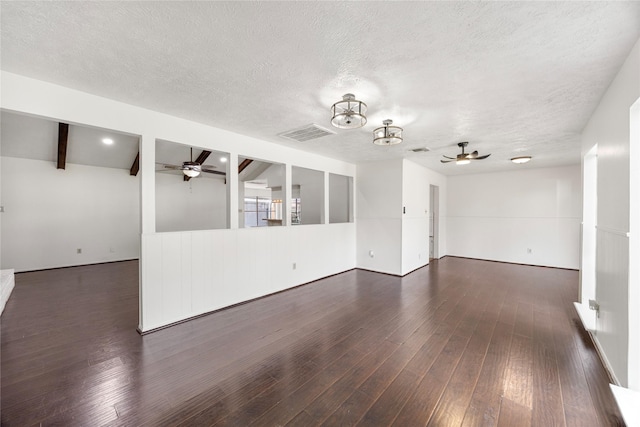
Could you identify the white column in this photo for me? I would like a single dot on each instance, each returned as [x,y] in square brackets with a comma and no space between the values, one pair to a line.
[232,188]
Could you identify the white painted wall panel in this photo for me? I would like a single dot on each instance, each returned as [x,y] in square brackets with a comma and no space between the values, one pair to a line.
[610,128]
[232,266]
[499,216]
[612,258]
[151,281]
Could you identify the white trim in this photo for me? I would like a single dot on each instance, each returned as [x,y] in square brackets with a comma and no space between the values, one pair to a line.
[611,230]
[587,316]
[629,403]
[603,358]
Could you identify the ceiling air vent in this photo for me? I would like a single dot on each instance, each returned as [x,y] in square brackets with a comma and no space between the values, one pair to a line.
[420,150]
[306,133]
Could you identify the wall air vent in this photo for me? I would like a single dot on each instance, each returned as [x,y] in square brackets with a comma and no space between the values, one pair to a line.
[420,150]
[306,133]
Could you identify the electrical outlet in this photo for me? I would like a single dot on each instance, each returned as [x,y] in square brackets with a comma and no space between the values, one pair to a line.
[79,250]
[528,250]
[371,253]
[294,266]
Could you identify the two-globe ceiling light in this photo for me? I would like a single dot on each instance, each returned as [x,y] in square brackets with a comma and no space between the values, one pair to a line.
[351,114]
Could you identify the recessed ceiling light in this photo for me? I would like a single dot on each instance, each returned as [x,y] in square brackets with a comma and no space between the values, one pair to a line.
[521,159]
[223,159]
[107,141]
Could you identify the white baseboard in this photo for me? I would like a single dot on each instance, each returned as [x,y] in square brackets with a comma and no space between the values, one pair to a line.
[587,316]
[629,403]
[7,282]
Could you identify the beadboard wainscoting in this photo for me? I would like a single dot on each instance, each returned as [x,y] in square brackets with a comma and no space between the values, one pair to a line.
[186,274]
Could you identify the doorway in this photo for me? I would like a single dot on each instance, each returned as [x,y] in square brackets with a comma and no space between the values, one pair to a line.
[434,203]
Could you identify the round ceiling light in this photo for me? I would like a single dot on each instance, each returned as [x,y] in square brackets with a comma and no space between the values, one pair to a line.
[348,113]
[521,159]
[107,141]
[387,134]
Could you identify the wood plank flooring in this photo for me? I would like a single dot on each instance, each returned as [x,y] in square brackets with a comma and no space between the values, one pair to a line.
[458,343]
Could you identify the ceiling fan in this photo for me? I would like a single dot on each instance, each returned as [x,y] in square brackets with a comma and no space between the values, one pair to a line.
[464,158]
[192,169]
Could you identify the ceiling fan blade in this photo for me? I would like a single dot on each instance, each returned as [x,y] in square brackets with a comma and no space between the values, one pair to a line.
[472,155]
[174,167]
[447,157]
[447,161]
[213,172]
[481,157]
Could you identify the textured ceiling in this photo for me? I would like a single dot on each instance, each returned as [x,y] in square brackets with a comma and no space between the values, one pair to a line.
[512,78]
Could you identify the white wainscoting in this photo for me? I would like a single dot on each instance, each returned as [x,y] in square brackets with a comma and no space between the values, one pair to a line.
[185,274]
[554,242]
[612,288]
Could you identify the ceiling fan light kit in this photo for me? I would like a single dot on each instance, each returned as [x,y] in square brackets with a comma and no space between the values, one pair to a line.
[348,113]
[464,158]
[521,159]
[387,134]
[191,169]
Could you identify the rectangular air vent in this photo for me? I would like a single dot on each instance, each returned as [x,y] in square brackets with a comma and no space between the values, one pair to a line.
[306,133]
[420,150]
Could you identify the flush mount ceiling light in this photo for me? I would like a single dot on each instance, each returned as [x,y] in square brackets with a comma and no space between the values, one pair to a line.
[107,141]
[348,113]
[521,159]
[387,134]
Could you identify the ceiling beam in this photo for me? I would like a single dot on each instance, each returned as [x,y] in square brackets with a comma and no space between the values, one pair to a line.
[200,160]
[203,156]
[243,165]
[135,167]
[63,136]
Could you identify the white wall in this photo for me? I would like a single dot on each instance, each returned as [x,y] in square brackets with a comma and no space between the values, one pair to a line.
[50,213]
[415,218]
[340,191]
[311,184]
[179,258]
[399,241]
[609,128]
[191,273]
[197,204]
[499,216]
[379,216]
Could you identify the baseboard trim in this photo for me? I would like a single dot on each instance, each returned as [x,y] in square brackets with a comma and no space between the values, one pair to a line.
[514,263]
[605,362]
[78,265]
[629,404]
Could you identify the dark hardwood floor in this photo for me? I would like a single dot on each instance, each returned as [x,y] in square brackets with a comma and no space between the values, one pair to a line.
[458,343]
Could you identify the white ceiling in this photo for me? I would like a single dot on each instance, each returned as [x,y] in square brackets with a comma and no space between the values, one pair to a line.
[512,78]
